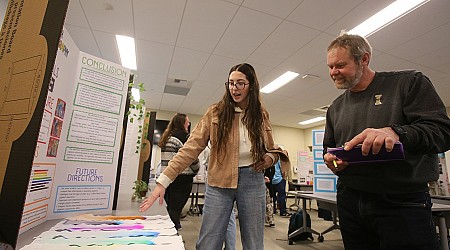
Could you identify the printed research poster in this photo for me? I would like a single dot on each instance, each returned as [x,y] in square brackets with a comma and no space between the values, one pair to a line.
[76,158]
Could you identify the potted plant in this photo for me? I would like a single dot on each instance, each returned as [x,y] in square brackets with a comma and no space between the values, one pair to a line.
[140,190]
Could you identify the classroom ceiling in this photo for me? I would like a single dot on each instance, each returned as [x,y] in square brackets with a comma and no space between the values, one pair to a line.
[193,43]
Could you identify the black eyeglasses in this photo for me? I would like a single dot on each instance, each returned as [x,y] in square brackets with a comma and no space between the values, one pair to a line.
[238,85]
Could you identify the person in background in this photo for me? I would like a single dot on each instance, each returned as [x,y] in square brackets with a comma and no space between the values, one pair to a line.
[383,205]
[242,146]
[177,193]
[279,185]
[270,222]
[204,161]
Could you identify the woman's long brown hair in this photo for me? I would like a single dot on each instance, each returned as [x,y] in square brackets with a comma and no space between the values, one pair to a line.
[177,122]
[252,119]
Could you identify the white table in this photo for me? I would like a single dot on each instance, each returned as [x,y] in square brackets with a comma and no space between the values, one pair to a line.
[125,207]
[439,211]
[329,202]
[299,187]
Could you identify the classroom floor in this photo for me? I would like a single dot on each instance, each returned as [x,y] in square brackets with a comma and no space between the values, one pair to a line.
[274,238]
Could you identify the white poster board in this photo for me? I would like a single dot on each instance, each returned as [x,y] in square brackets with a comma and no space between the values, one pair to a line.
[305,165]
[76,157]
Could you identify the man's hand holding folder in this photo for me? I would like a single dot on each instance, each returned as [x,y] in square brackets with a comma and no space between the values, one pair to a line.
[355,155]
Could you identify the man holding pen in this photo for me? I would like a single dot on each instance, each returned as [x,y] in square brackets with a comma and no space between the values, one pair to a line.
[383,205]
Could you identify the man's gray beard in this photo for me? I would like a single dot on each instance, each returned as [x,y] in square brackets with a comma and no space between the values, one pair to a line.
[353,82]
[347,84]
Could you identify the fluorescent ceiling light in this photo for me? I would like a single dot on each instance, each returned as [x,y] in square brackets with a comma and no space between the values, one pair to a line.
[127,51]
[313,120]
[386,16]
[279,82]
[136,94]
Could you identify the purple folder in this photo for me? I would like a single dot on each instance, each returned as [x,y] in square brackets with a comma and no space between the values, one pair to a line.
[355,156]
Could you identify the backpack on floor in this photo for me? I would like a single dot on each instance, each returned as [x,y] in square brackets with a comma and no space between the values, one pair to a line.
[296,222]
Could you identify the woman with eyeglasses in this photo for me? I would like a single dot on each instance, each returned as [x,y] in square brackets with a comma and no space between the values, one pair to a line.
[177,193]
[242,146]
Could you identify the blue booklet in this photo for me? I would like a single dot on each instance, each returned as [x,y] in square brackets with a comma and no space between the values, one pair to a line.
[355,156]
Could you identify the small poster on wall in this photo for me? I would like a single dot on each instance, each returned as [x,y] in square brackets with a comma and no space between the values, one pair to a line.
[305,167]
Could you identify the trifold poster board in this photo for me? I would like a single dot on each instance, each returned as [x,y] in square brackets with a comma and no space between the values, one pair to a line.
[75,164]
[324,179]
[29,39]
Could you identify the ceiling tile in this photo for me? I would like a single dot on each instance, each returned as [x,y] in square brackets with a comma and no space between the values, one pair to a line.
[153,57]
[320,14]
[217,68]
[411,26]
[246,32]
[112,16]
[84,39]
[436,58]
[108,48]
[204,23]
[171,102]
[75,15]
[309,55]
[278,8]
[282,43]
[355,13]
[186,64]
[416,45]
[158,21]
[153,82]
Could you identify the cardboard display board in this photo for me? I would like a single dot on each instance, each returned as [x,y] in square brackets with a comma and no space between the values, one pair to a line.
[28,44]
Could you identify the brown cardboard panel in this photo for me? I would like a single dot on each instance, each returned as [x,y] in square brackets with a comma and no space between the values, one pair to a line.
[28,44]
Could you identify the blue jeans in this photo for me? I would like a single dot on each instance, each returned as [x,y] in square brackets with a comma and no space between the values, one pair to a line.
[230,236]
[385,221]
[280,196]
[250,201]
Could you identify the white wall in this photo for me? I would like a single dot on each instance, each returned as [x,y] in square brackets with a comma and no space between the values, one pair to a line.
[3,5]
[130,162]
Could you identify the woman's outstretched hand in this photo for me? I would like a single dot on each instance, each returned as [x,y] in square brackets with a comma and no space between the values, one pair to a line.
[157,193]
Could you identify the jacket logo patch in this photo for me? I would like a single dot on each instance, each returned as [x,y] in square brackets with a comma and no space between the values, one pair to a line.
[378,100]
